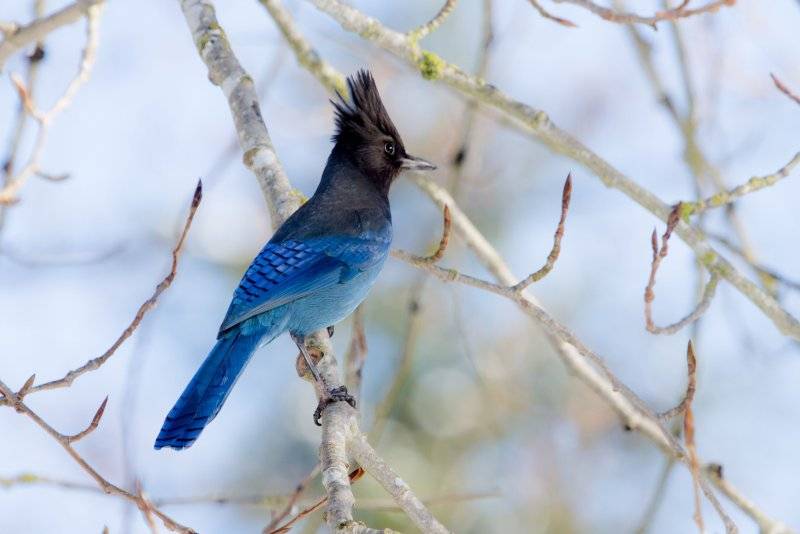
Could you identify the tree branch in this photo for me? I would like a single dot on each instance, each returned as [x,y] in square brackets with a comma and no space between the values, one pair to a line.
[433,24]
[549,16]
[305,53]
[13,183]
[21,36]
[622,17]
[148,305]
[225,72]
[649,295]
[725,198]
[783,88]
[765,524]
[537,124]
[66,441]
[556,250]
[394,485]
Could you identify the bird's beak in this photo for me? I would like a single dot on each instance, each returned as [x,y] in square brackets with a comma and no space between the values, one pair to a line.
[413,163]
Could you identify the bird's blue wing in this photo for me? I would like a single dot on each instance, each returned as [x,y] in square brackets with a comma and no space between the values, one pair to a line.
[286,271]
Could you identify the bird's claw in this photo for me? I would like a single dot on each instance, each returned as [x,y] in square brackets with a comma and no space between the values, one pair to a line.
[335,395]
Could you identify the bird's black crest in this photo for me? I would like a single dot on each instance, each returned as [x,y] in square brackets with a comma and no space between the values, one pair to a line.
[364,117]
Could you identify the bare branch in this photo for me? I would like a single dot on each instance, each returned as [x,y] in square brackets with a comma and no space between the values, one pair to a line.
[688,435]
[763,271]
[66,444]
[17,37]
[783,88]
[413,325]
[146,306]
[691,386]
[305,53]
[546,14]
[291,502]
[687,125]
[225,71]
[537,124]
[273,527]
[766,524]
[44,118]
[356,354]
[147,509]
[725,198]
[688,431]
[92,425]
[556,250]
[433,24]
[366,456]
[649,295]
[657,498]
[680,12]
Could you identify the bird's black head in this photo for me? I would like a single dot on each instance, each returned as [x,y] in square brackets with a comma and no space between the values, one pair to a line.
[367,136]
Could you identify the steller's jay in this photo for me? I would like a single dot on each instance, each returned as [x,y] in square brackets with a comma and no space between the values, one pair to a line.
[318,266]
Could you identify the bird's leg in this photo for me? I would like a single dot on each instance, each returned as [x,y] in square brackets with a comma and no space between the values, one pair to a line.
[301,344]
[327,397]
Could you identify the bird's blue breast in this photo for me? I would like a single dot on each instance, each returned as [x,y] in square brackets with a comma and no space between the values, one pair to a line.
[330,305]
[303,285]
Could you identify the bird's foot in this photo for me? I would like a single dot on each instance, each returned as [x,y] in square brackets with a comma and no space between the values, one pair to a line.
[335,395]
[330,330]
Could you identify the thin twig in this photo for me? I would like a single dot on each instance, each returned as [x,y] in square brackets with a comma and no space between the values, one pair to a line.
[725,198]
[695,158]
[658,496]
[20,121]
[556,250]
[356,354]
[783,88]
[305,53]
[766,524]
[13,183]
[292,501]
[27,479]
[146,306]
[462,152]
[685,407]
[649,293]
[691,386]
[147,509]
[413,326]
[688,432]
[272,528]
[762,270]
[21,36]
[66,443]
[546,14]
[376,466]
[680,12]
[433,24]
[92,425]
[444,241]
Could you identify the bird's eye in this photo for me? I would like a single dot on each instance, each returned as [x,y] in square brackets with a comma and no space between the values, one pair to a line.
[389,148]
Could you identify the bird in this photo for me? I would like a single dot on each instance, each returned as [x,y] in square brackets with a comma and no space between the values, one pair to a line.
[318,266]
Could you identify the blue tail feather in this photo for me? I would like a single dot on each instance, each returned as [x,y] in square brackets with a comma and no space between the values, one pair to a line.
[206,393]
